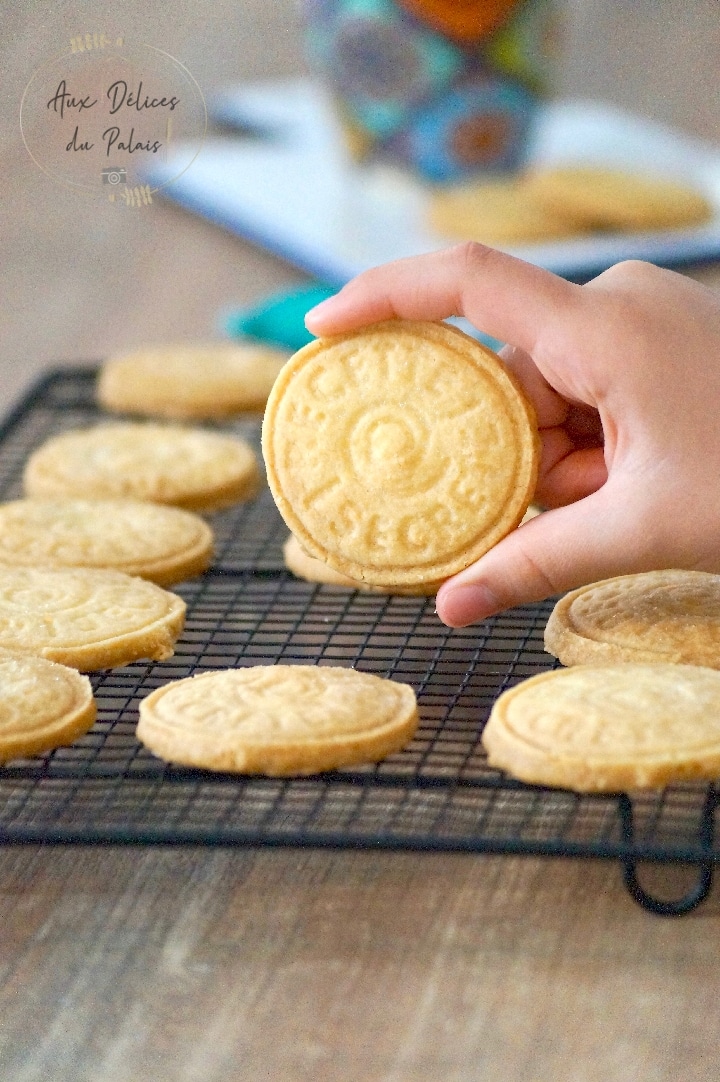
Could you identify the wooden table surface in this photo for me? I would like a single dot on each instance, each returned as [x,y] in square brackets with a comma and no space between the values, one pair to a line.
[200,965]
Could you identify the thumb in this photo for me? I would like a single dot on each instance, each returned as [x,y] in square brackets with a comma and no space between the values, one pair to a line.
[592,539]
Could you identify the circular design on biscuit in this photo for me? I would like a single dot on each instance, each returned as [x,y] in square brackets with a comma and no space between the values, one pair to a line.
[43,607]
[606,712]
[391,449]
[399,449]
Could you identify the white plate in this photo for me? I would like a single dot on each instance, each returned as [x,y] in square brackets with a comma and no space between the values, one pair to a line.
[285,181]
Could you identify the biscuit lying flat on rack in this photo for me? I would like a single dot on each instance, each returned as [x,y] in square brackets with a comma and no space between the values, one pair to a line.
[42,706]
[596,197]
[278,719]
[87,618]
[671,616]
[306,567]
[162,463]
[183,382]
[609,728]
[400,453]
[156,542]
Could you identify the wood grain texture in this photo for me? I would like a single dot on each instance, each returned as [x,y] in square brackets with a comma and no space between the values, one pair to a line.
[292,965]
[202,965]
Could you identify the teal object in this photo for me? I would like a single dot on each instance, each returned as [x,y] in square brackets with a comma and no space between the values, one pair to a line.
[280,319]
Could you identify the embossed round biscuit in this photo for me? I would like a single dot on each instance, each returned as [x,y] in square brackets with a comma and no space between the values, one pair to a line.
[87,618]
[606,198]
[42,706]
[671,616]
[400,453]
[278,719]
[498,212]
[206,380]
[609,727]
[163,544]
[162,463]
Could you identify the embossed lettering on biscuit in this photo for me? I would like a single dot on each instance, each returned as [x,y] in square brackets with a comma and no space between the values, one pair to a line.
[399,454]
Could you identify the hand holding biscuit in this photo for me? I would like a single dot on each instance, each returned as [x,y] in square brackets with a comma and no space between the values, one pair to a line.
[624,374]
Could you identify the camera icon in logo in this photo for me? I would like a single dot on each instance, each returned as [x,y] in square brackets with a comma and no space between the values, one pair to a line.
[114,176]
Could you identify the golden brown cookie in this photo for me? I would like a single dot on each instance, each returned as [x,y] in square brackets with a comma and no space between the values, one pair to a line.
[87,618]
[598,197]
[497,212]
[671,616]
[400,453]
[42,706]
[609,728]
[162,463]
[278,719]
[163,544]
[185,382]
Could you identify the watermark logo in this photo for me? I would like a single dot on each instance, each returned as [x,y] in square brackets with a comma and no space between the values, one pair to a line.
[113,118]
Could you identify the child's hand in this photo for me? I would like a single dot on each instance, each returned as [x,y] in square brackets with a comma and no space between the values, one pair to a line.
[624,373]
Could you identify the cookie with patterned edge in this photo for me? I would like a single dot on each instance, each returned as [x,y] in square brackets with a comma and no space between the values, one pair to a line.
[156,542]
[609,728]
[671,615]
[190,381]
[163,463]
[400,453]
[42,706]
[278,719]
[87,618]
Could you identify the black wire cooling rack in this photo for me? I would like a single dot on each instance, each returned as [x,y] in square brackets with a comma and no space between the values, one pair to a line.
[437,794]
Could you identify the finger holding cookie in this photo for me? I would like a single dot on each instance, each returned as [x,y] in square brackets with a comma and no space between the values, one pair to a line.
[624,378]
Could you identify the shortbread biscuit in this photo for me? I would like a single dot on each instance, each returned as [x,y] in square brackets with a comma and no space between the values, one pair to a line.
[311,570]
[598,197]
[163,463]
[671,616]
[186,382]
[500,212]
[42,706]
[87,618]
[609,728]
[278,719]
[400,453]
[163,544]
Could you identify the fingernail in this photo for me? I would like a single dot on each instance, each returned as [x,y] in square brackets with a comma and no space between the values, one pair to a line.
[318,310]
[459,606]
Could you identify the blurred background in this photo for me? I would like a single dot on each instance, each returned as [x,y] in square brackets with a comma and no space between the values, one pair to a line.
[81,279]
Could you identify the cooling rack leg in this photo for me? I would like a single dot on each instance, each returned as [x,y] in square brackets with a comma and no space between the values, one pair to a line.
[679,906]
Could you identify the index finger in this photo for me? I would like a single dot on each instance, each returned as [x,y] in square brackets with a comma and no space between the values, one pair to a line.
[499,294]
